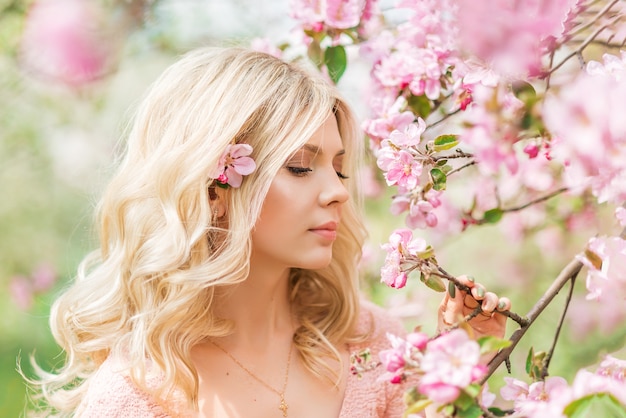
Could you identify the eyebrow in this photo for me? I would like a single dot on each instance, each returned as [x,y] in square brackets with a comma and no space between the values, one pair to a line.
[317,150]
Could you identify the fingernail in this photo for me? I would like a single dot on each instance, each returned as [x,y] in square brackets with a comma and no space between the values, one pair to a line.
[480,291]
[501,304]
[471,279]
[451,289]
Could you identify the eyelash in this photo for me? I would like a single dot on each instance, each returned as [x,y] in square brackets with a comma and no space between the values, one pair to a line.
[303,171]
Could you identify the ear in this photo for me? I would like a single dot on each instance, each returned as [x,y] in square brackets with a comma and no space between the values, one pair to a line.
[217,200]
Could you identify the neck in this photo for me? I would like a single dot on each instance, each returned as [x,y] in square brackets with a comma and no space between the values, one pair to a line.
[259,307]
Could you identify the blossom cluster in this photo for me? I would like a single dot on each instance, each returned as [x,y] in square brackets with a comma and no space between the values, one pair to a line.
[443,367]
[404,253]
[550,397]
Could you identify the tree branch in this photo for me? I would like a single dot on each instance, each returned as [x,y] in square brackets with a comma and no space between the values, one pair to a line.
[568,273]
[546,362]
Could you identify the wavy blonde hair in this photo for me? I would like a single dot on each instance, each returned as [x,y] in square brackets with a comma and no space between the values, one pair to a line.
[147,292]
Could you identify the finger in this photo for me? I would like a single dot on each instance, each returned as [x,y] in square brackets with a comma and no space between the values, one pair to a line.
[466,280]
[504,304]
[490,302]
[451,308]
[478,291]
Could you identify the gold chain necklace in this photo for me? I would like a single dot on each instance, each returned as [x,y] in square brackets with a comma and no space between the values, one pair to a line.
[283,405]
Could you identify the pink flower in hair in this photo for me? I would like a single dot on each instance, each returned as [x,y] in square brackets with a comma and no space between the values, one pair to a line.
[233,165]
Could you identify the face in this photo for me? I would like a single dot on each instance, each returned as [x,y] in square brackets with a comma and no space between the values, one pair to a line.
[302,211]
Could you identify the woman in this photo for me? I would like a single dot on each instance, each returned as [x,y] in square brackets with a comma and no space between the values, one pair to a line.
[226,281]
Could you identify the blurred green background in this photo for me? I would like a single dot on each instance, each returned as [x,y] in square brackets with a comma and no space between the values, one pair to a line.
[57,146]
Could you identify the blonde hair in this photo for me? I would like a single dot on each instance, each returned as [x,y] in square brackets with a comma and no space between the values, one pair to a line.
[147,292]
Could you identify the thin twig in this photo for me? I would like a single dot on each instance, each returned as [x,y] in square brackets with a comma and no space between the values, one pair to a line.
[585,43]
[570,271]
[538,200]
[471,163]
[548,358]
[440,272]
[597,17]
[564,276]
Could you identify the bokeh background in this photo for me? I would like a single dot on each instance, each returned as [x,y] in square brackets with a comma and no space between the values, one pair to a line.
[60,128]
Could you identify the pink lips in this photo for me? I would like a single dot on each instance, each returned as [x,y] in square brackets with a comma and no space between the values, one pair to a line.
[327,230]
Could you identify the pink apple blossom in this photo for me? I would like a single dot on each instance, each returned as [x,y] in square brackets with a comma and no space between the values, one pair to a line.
[589,135]
[401,245]
[450,364]
[606,282]
[233,164]
[339,14]
[401,360]
[620,214]
[511,35]
[67,41]
[400,166]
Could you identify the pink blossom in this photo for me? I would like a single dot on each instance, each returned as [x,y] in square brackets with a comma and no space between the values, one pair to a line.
[612,66]
[393,360]
[410,136]
[418,340]
[588,383]
[450,363]
[589,135]
[44,277]
[401,244]
[613,367]
[493,128]
[402,169]
[620,214]
[400,360]
[21,291]
[233,164]
[66,41]
[390,116]
[606,282]
[540,399]
[514,390]
[340,14]
[392,275]
[511,35]
[441,393]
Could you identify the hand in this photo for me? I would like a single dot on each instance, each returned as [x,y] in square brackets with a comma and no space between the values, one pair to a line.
[488,322]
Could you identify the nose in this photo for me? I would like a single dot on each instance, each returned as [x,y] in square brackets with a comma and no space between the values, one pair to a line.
[333,191]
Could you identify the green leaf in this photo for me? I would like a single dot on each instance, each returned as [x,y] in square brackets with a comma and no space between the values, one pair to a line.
[441,162]
[420,105]
[445,142]
[438,178]
[314,51]
[336,61]
[492,216]
[435,283]
[529,359]
[490,344]
[446,168]
[597,405]
[416,407]
[473,390]
[498,412]
[473,411]
[464,401]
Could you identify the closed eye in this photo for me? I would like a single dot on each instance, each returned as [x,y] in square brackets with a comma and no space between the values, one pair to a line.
[299,171]
[341,175]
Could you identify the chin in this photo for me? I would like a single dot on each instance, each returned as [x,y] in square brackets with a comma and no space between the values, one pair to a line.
[317,262]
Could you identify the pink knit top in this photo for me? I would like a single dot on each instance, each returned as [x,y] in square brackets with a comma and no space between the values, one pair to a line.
[111,392]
